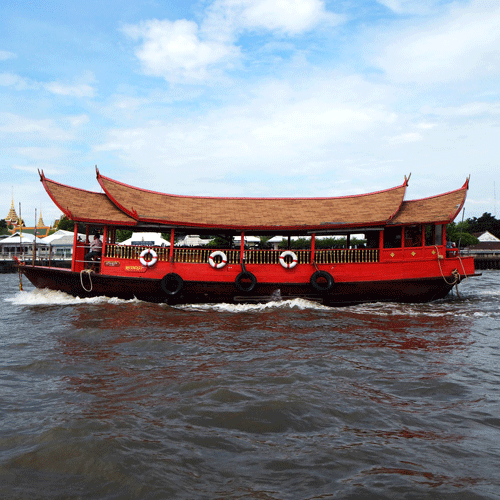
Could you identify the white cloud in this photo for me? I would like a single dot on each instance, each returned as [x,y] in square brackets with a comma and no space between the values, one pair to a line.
[82,87]
[15,81]
[79,90]
[467,110]
[175,50]
[279,129]
[409,6]
[182,51]
[463,43]
[4,55]
[78,120]
[41,153]
[288,17]
[45,128]
[405,138]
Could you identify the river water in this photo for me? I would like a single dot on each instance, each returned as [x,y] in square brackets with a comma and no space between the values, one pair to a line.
[112,399]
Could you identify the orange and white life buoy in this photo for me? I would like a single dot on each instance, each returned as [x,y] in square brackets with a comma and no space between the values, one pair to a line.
[223,259]
[292,262]
[151,261]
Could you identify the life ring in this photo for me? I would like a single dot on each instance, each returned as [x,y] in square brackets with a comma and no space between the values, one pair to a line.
[245,281]
[321,281]
[152,261]
[172,284]
[220,254]
[284,263]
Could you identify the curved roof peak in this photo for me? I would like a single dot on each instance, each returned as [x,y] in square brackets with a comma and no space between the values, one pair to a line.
[243,213]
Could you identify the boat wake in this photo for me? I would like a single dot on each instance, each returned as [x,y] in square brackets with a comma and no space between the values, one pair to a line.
[45,297]
[300,304]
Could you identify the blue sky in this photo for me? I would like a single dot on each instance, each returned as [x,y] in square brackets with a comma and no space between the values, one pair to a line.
[250,97]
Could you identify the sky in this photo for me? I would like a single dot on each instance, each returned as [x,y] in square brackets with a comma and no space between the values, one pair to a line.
[286,98]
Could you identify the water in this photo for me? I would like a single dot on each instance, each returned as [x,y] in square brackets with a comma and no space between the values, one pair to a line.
[111,399]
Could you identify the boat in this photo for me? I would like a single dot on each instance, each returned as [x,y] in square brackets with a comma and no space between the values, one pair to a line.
[383,248]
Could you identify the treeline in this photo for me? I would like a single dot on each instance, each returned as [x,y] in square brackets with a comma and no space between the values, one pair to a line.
[463,232]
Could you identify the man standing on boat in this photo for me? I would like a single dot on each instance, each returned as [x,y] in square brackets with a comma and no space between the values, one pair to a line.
[95,249]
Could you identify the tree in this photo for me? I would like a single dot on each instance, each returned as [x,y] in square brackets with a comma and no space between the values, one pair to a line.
[123,234]
[3,227]
[221,241]
[459,233]
[486,222]
[68,225]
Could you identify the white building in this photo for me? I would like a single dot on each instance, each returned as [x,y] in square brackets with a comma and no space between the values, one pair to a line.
[146,239]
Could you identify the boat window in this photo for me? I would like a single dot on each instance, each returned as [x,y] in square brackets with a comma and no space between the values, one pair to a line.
[438,240]
[413,236]
[392,237]
[372,239]
[429,235]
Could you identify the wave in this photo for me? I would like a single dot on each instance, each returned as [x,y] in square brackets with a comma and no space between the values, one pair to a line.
[45,297]
[301,304]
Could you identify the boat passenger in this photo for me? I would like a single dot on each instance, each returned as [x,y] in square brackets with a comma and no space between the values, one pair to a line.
[95,249]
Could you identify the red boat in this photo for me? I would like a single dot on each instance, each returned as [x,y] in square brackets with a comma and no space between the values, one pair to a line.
[403,258]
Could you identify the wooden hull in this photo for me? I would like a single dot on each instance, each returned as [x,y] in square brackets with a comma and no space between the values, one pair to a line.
[83,284]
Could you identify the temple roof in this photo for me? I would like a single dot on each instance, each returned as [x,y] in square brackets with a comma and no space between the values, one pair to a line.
[442,208]
[121,204]
[249,214]
[85,206]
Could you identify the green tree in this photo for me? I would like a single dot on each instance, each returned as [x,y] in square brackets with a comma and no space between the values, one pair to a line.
[460,234]
[221,241]
[486,222]
[68,225]
[3,227]
[122,235]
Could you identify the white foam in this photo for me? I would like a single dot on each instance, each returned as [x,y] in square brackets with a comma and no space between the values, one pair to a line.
[45,297]
[238,308]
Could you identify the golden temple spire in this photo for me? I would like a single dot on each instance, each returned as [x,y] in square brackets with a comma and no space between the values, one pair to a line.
[40,222]
[12,217]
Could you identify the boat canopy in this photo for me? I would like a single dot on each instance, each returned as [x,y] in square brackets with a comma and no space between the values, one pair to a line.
[440,209]
[124,205]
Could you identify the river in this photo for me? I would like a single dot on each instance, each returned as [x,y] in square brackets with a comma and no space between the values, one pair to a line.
[110,399]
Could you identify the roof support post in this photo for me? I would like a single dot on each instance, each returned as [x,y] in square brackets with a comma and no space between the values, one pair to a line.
[381,239]
[313,247]
[242,247]
[171,253]
[75,239]
[105,237]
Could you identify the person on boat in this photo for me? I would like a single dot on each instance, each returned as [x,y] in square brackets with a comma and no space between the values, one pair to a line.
[95,250]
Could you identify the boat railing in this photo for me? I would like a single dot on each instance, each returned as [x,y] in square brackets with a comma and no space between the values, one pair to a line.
[202,255]
[346,255]
[133,252]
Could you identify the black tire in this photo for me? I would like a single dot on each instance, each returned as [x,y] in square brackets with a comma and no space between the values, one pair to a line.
[321,281]
[245,281]
[172,284]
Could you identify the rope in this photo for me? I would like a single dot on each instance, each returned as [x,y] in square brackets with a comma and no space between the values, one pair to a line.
[455,273]
[463,268]
[86,271]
